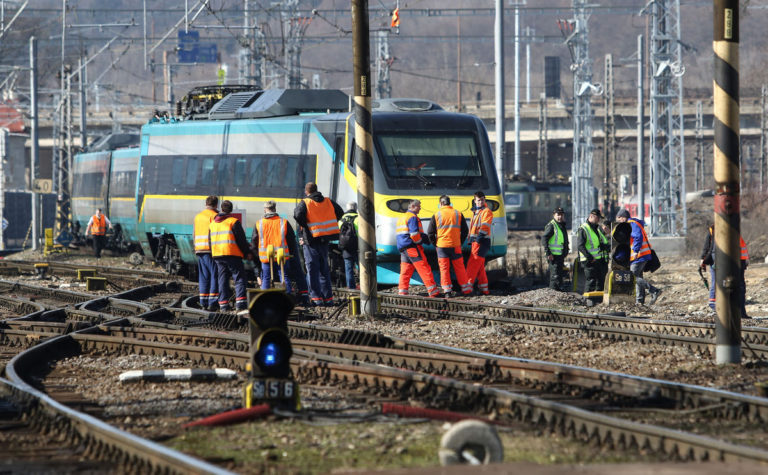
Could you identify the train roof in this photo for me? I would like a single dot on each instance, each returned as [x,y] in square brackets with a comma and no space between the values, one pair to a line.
[114,142]
[278,102]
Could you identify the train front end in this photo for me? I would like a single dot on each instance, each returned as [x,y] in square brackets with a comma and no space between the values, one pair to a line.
[423,154]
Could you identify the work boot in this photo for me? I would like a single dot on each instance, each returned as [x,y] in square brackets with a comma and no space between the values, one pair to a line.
[654,296]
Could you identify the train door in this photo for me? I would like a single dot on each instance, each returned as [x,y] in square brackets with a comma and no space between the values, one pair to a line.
[338,160]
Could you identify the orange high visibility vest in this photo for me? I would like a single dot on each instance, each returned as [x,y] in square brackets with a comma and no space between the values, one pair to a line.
[321,218]
[99,225]
[202,225]
[481,223]
[223,238]
[272,231]
[448,227]
[645,247]
[742,245]
[402,226]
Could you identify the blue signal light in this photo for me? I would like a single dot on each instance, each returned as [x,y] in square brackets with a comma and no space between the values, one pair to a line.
[270,355]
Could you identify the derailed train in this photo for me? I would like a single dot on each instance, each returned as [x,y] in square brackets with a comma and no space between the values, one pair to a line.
[253,146]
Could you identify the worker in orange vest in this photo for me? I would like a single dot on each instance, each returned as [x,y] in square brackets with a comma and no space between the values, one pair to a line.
[278,232]
[448,229]
[318,219]
[229,247]
[639,257]
[708,258]
[480,240]
[410,243]
[207,273]
[97,227]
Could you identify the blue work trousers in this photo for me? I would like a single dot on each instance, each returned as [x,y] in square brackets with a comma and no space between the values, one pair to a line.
[349,270]
[318,273]
[207,280]
[232,266]
[293,274]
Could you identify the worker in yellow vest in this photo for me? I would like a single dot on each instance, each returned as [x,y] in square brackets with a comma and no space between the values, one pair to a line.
[448,229]
[593,247]
[229,247]
[207,274]
[555,243]
[97,228]
[318,219]
[272,230]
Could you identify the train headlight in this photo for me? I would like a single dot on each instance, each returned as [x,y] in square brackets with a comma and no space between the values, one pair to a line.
[398,206]
[493,205]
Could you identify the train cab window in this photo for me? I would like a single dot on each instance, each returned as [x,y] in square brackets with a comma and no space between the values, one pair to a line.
[241,165]
[177,172]
[207,175]
[191,171]
[513,199]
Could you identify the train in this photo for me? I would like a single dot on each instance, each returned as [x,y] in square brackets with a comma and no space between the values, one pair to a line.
[529,204]
[249,146]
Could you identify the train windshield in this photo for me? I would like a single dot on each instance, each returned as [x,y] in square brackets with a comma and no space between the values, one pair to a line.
[431,160]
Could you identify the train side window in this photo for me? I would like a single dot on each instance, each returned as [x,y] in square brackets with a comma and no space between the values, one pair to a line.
[222,174]
[191,171]
[310,165]
[207,175]
[256,174]
[241,165]
[177,173]
[273,173]
[352,156]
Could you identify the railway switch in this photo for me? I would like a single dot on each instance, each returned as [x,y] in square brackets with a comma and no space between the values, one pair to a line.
[270,378]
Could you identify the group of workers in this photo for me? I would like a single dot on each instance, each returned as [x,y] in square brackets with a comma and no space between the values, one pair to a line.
[447,230]
[221,246]
[594,248]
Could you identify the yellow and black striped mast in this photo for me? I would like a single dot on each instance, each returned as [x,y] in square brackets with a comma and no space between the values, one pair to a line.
[364,152]
[727,186]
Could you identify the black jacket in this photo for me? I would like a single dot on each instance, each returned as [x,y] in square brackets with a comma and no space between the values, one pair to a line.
[708,251]
[300,215]
[549,231]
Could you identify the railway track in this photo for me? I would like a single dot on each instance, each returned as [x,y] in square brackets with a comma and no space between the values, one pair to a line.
[699,337]
[401,369]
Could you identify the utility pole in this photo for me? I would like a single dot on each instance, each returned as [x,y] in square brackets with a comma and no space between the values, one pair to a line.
[699,145]
[667,146]
[383,61]
[763,134]
[361,58]
[34,154]
[728,270]
[458,64]
[83,132]
[518,170]
[543,171]
[581,175]
[498,53]
[609,144]
[640,127]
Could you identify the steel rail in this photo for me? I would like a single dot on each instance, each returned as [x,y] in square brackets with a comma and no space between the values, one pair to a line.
[754,339]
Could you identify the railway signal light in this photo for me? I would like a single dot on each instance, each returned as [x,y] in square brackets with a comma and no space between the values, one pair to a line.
[269,369]
[620,283]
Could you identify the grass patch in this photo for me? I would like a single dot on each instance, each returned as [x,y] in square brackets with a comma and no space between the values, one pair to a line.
[289,446]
